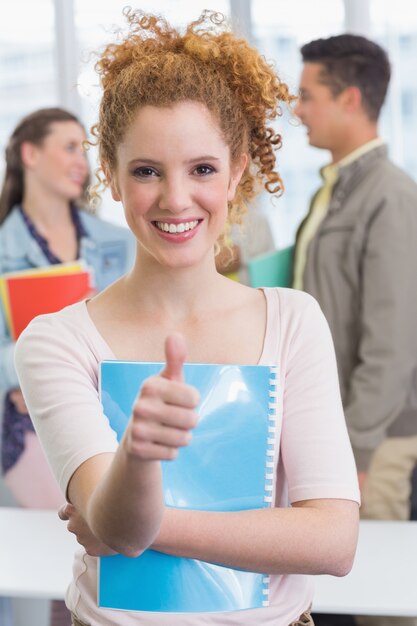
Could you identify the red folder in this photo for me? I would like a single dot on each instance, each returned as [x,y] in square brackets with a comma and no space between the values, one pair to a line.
[30,296]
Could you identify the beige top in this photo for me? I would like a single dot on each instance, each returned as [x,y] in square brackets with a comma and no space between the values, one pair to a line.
[57,361]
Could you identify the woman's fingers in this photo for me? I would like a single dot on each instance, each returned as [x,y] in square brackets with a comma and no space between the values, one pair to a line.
[156,423]
[84,536]
[164,411]
[160,434]
[170,392]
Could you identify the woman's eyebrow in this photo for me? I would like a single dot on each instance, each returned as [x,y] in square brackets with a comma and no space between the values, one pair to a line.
[144,160]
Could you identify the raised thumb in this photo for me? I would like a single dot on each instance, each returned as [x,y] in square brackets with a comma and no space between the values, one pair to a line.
[175,354]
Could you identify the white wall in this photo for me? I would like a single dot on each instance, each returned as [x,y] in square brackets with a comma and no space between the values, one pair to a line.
[25,612]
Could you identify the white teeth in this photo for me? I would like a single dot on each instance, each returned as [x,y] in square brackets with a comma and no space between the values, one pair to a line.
[176,228]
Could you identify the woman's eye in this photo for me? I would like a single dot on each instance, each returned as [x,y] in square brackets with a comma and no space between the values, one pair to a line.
[144,172]
[203,170]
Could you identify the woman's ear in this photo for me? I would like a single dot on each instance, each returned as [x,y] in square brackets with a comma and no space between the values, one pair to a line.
[111,181]
[28,152]
[237,170]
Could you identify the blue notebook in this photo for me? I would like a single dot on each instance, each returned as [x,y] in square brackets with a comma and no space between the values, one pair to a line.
[227,467]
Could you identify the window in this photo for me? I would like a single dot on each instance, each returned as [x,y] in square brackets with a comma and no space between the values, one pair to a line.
[396,31]
[280,27]
[27,71]
[29,40]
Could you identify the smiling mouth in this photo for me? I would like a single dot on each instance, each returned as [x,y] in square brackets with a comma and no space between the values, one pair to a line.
[182,227]
[77,178]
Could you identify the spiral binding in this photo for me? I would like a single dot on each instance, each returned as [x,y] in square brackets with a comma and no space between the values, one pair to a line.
[270,460]
[270,443]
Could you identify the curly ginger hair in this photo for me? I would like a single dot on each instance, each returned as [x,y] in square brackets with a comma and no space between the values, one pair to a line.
[156,65]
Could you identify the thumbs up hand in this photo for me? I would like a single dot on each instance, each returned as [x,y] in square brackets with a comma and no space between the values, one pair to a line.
[175,353]
[164,411]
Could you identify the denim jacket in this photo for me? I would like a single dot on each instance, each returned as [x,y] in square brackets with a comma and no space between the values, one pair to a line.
[108,250]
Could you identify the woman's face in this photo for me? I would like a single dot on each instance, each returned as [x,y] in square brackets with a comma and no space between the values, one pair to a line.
[174,178]
[58,165]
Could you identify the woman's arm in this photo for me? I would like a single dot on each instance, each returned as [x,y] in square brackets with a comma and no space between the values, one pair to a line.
[116,489]
[120,495]
[312,537]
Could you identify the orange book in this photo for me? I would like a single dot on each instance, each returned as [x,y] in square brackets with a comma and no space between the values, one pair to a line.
[59,268]
[32,295]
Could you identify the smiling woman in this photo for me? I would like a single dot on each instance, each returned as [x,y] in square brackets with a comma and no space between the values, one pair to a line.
[173,191]
[185,142]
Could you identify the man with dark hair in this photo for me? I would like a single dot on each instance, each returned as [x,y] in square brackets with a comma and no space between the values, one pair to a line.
[356,252]
[351,60]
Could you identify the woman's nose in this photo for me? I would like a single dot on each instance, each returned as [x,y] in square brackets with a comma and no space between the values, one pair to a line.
[175,195]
